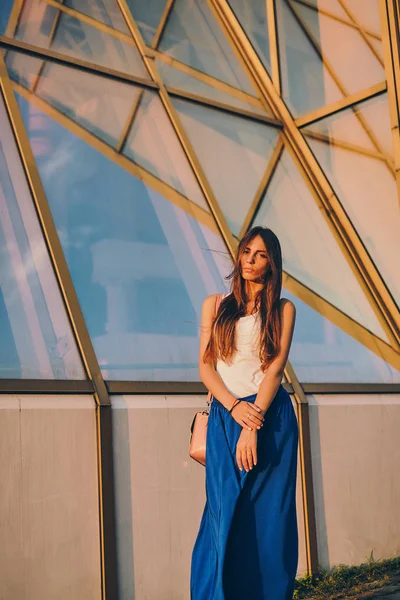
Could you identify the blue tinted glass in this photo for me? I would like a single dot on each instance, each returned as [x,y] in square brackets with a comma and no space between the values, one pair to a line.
[141,265]
[311,253]
[252,16]
[324,353]
[106,11]
[147,16]
[44,26]
[5,11]
[350,146]
[306,83]
[193,36]
[36,341]
[234,153]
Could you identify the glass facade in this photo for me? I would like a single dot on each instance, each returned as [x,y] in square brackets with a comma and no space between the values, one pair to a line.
[139,140]
[157,145]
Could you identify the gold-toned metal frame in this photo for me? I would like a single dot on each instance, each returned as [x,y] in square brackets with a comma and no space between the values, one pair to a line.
[267,96]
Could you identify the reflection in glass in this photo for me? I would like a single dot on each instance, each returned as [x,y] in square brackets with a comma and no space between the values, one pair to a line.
[147,16]
[363,178]
[5,12]
[106,11]
[43,25]
[353,61]
[321,352]
[252,16]
[141,265]
[309,81]
[179,80]
[306,83]
[366,14]
[99,104]
[234,153]
[311,254]
[36,341]
[194,37]
[105,107]
[152,143]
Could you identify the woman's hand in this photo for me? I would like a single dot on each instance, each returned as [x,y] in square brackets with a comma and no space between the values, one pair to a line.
[248,415]
[246,449]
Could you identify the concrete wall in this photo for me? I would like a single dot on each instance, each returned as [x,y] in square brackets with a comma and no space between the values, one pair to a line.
[356,466]
[160,496]
[49,525]
[49,520]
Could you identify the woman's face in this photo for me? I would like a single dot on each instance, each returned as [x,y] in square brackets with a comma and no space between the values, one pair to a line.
[254,260]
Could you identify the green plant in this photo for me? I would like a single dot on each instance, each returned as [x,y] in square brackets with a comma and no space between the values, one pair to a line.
[343,581]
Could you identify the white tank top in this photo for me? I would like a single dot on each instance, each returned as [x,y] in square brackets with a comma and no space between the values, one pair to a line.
[242,376]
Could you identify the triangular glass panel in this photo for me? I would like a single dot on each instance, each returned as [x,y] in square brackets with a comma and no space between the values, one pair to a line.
[306,83]
[321,352]
[105,11]
[366,14]
[347,129]
[99,104]
[234,153]
[375,112]
[147,16]
[23,68]
[194,37]
[180,80]
[253,18]
[36,340]
[141,265]
[107,108]
[353,61]
[311,253]
[5,12]
[365,185]
[47,27]
[331,6]
[153,144]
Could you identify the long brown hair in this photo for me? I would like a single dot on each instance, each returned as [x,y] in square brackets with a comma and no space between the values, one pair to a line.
[222,343]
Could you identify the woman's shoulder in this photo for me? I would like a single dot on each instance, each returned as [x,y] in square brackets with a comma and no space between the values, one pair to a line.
[287,306]
[212,298]
[210,302]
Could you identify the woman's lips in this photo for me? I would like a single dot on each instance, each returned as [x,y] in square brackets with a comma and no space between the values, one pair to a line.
[247,269]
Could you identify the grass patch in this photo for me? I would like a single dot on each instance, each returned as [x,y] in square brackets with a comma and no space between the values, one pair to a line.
[344,581]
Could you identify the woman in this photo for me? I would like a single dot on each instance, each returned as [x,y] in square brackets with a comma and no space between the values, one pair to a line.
[247,544]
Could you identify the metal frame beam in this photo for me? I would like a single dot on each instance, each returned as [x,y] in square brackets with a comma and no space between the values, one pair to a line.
[332,15]
[343,104]
[390,23]
[78,325]
[163,23]
[123,161]
[314,43]
[206,79]
[348,240]
[76,63]
[68,387]
[347,237]
[46,386]
[273,43]
[179,130]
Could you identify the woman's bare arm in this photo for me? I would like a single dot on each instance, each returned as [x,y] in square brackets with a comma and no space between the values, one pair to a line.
[273,376]
[208,374]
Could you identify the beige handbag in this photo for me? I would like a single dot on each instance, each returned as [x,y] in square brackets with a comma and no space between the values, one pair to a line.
[198,428]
